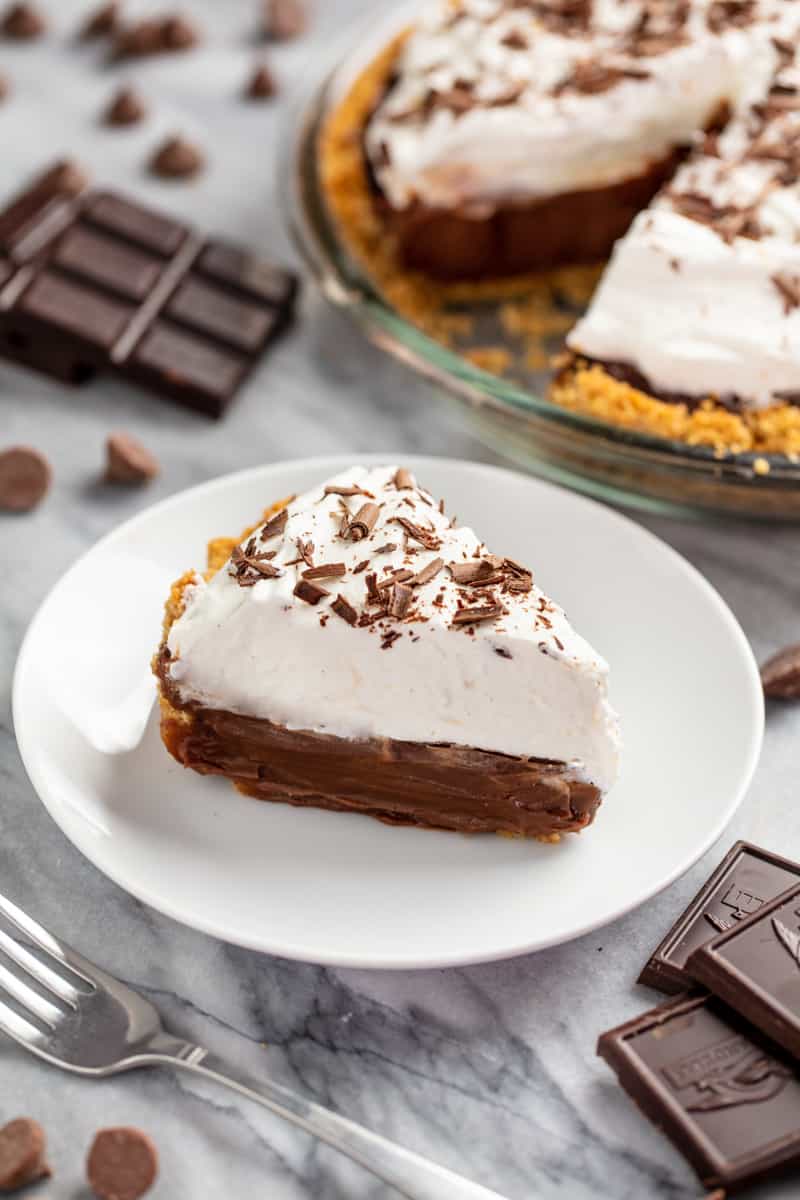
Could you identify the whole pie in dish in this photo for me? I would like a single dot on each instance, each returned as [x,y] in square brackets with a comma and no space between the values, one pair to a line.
[359,651]
[505,136]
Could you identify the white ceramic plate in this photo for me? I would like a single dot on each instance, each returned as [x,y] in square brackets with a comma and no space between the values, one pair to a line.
[346,890]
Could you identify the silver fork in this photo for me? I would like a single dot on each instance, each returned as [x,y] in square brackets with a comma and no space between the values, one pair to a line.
[82,1019]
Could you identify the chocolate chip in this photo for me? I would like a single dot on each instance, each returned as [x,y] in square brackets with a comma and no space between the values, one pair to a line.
[23,22]
[101,22]
[179,34]
[284,19]
[780,675]
[128,460]
[122,1164]
[261,85]
[126,108]
[25,476]
[22,1154]
[155,35]
[177,159]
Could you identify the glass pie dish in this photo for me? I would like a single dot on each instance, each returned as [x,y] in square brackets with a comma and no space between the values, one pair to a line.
[510,412]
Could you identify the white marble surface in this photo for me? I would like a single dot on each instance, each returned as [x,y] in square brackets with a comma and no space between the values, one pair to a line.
[491,1069]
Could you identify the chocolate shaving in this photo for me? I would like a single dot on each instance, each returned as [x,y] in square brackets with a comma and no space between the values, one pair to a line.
[515,40]
[325,571]
[248,568]
[344,609]
[472,616]
[362,566]
[341,489]
[390,638]
[310,592]
[400,600]
[275,525]
[403,479]
[471,572]
[371,584]
[502,652]
[789,288]
[426,537]
[387,549]
[362,524]
[427,573]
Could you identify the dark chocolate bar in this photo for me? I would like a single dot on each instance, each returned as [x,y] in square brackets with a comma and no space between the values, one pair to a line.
[755,967]
[93,281]
[747,877]
[726,1097]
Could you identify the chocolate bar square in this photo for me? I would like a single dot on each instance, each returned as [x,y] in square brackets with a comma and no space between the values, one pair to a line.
[755,967]
[747,878]
[726,1097]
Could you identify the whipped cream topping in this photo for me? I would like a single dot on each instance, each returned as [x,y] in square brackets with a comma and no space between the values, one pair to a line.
[702,295]
[461,648]
[499,101]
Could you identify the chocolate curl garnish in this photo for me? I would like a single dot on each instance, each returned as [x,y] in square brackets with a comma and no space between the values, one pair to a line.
[403,479]
[363,523]
[325,571]
[247,567]
[344,609]
[275,525]
[426,537]
[400,600]
[310,592]
[473,616]
[428,573]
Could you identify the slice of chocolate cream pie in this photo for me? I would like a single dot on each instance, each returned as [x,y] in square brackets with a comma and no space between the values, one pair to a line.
[359,651]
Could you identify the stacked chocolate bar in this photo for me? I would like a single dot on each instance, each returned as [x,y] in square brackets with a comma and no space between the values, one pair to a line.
[718,1068]
[93,281]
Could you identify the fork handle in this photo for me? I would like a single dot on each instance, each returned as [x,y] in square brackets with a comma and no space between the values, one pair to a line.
[413,1176]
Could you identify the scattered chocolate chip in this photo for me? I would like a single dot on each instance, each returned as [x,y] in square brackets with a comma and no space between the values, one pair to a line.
[102,22]
[261,86]
[310,592]
[23,22]
[22,1154]
[403,479]
[325,571]
[122,1164]
[177,159]
[275,525]
[179,34]
[780,675]
[155,35]
[25,476]
[363,523]
[344,609]
[128,460]
[284,19]
[126,108]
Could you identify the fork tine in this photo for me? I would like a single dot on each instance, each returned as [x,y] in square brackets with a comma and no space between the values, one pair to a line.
[18,1028]
[29,998]
[58,950]
[38,970]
